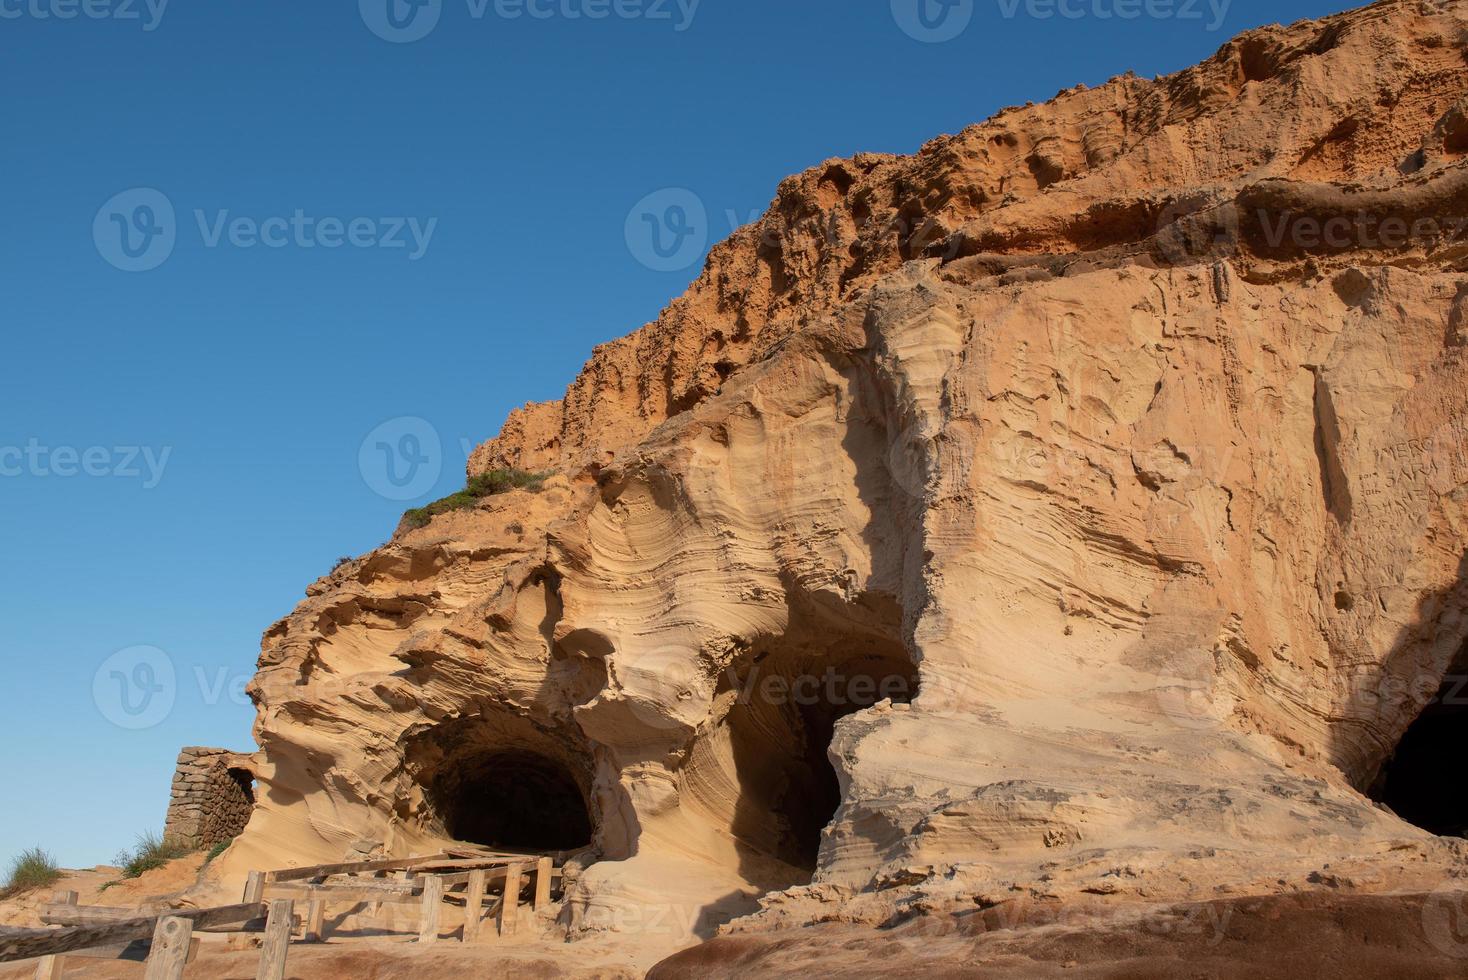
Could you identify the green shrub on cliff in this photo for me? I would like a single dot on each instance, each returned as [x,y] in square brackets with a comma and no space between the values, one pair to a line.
[489,484]
[151,852]
[33,868]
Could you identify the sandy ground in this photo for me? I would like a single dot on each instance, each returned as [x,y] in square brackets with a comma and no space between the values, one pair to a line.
[345,956]
[1279,937]
[1353,937]
[104,885]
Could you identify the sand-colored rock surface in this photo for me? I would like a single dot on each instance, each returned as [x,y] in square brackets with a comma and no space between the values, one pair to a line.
[105,885]
[1073,511]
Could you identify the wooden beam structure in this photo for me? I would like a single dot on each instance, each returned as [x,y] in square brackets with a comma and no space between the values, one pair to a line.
[474,906]
[341,893]
[166,940]
[277,940]
[510,905]
[544,868]
[360,867]
[53,942]
[432,908]
[172,940]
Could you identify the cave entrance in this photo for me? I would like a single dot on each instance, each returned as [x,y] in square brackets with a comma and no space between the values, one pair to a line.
[502,782]
[786,705]
[244,781]
[516,799]
[1419,781]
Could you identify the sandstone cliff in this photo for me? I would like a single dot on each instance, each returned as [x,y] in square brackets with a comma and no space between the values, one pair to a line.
[1073,510]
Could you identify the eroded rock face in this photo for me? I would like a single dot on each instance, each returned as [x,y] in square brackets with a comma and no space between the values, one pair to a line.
[1076,508]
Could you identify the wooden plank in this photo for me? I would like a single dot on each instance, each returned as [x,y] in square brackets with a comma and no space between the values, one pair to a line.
[316,921]
[52,967]
[360,867]
[473,906]
[510,906]
[277,941]
[432,906]
[97,915]
[88,915]
[255,887]
[543,869]
[462,864]
[493,876]
[341,893]
[170,950]
[51,942]
[467,851]
[134,952]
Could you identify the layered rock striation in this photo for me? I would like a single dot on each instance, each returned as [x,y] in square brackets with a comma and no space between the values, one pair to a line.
[1072,510]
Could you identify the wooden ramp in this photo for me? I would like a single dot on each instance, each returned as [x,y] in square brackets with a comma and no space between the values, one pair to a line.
[498,888]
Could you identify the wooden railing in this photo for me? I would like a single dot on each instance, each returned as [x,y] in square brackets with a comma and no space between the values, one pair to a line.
[486,884]
[97,932]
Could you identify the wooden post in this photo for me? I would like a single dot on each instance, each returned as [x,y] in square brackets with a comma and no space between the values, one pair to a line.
[52,967]
[315,921]
[170,949]
[510,907]
[432,903]
[277,940]
[474,906]
[543,869]
[254,888]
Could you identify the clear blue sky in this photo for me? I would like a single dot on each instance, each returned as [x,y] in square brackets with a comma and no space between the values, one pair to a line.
[260,370]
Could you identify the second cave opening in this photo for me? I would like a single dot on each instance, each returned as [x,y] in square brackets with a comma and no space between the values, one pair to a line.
[770,761]
[1419,781]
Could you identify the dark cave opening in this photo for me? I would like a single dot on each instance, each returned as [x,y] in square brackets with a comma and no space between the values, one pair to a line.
[245,781]
[1419,781]
[513,799]
[781,728]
